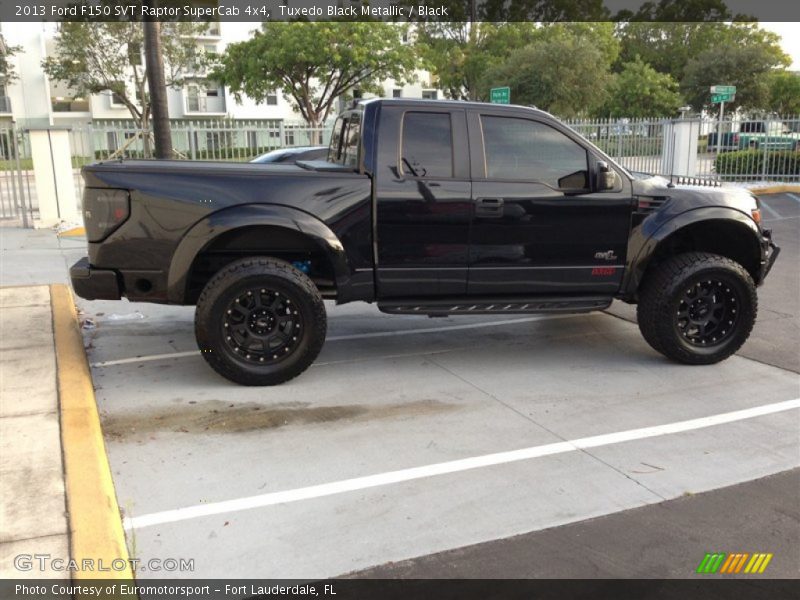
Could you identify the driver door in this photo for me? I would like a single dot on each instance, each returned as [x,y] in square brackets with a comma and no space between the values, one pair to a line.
[539,227]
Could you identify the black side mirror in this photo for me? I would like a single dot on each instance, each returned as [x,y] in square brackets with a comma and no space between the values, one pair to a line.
[607,178]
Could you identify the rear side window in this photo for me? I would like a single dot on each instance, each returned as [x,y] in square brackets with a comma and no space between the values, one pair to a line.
[351,142]
[335,147]
[524,150]
[427,149]
[346,140]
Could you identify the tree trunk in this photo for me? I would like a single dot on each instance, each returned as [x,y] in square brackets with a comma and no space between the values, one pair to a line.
[158,89]
[316,136]
[145,129]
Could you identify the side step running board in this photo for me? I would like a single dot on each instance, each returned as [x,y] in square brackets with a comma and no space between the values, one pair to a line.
[481,306]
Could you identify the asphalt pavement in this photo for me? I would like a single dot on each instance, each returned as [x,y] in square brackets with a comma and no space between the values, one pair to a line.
[459,439]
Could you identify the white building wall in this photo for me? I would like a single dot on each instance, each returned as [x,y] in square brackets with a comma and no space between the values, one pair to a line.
[31,93]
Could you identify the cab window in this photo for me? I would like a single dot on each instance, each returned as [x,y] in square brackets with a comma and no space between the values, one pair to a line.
[346,140]
[525,150]
[427,145]
[335,147]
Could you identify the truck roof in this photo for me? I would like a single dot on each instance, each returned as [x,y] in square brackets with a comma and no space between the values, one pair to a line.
[451,103]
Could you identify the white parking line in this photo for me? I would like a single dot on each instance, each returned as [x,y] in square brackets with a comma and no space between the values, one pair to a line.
[455,466]
[338,338]
[771,211]
[793,197]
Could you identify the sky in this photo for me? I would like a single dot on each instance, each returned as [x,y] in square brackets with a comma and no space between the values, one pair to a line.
[790,32]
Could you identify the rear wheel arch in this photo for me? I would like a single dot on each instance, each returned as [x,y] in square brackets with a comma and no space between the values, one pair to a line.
[255,230]
[289,245]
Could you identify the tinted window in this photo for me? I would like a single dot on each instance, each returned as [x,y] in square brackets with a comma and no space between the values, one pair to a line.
[527,150]
[334,151]
[427,145]
[352,140]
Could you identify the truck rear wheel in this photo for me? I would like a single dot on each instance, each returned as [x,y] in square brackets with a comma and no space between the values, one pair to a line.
[260,321]
[697,308]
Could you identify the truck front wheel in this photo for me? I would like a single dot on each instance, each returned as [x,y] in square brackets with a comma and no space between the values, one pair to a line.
[260,321]
[697,308]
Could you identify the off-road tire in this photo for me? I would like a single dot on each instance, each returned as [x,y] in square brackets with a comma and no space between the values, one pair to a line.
[663,317]
[289,295]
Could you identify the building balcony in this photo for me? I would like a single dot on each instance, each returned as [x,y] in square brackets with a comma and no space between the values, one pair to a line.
[213,32]
[69,105]
[205,105]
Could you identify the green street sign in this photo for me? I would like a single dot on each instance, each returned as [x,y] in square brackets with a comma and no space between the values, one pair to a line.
[717,98]
[501,95]
[723,89]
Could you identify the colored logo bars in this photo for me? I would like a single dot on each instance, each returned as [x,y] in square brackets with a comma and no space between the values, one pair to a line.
[737,562]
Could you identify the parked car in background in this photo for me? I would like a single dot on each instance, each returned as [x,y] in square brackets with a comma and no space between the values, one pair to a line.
[752,135]
[292,155]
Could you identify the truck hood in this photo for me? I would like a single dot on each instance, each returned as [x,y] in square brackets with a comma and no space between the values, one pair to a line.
[687,197]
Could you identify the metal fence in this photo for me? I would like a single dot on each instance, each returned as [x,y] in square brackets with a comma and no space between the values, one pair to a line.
[764,149]
[17,189]
[227,140]
[193,140]
[737,150]
[637,144]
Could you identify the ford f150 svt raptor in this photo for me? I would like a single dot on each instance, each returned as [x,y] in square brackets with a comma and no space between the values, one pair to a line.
[423,207]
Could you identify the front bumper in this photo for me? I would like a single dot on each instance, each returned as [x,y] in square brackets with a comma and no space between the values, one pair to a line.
[94,284]
[771,252]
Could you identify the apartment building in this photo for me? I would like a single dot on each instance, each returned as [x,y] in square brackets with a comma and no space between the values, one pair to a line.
[34,100]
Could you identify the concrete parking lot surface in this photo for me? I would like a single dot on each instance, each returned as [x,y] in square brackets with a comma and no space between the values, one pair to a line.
[197,460]
[411,436]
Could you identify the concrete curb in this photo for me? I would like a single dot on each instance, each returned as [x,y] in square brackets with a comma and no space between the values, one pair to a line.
[776,189]
[94,519]
[73,232]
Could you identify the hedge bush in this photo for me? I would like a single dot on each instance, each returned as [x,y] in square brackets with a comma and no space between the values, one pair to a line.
[749,164]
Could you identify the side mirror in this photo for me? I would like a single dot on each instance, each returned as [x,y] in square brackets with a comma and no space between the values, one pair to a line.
[607,178]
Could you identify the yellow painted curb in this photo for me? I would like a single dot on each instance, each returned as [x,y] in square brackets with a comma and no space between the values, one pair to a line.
[776,189]
[74,232]
[94,519]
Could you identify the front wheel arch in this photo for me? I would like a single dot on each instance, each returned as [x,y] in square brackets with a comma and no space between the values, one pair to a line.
[722,231]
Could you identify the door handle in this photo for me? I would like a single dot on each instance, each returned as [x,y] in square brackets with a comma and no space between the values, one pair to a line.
[489,207]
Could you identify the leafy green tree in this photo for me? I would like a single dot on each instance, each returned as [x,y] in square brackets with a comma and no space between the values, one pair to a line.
[640,91]
[670,47]
[784,93]
[572,85]
[314,63]
[94,57]
[679,11]
[508,11]
[460,54]
[7,71]
[748,67]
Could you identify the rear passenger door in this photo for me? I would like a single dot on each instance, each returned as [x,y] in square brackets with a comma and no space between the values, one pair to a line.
[423,202]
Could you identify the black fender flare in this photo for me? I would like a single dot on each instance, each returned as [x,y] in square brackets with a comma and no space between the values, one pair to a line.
[646,241]
[205,231]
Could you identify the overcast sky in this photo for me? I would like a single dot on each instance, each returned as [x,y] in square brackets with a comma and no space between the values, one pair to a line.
[790,32]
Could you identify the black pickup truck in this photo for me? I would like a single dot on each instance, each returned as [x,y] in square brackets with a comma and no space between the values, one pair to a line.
[423,207]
